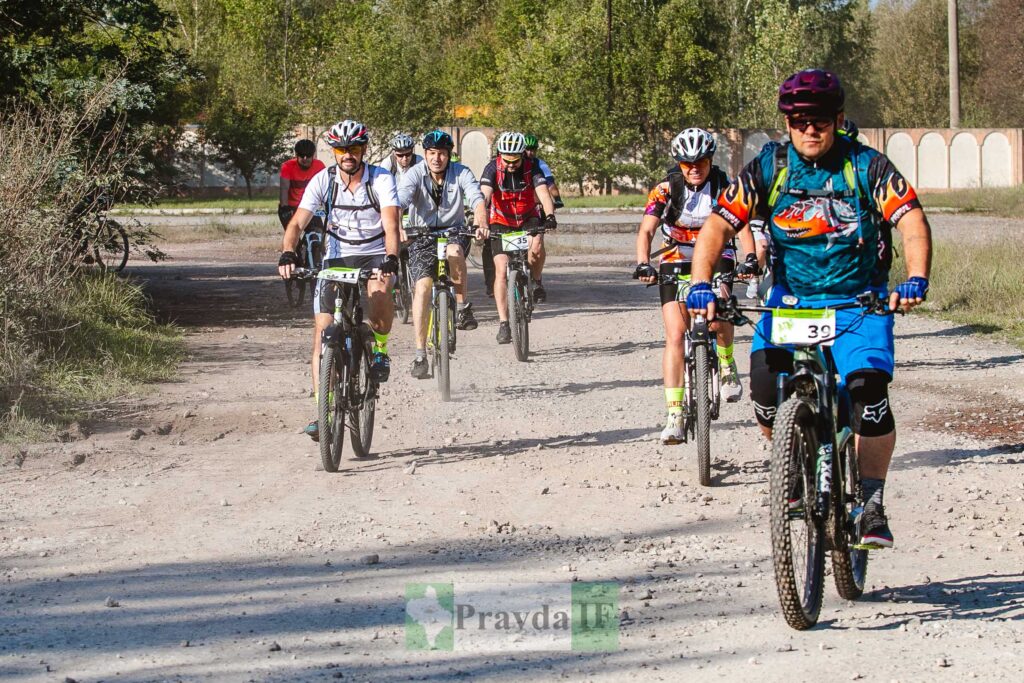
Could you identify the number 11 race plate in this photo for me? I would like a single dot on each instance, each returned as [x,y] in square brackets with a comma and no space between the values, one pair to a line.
[803,326]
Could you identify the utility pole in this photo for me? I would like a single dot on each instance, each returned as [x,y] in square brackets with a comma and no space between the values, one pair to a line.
[954,67]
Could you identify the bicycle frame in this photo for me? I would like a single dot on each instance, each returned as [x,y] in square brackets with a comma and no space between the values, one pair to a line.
[443,286]
[343,333]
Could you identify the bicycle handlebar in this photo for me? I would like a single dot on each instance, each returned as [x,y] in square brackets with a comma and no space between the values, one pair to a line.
[418,231]
[365,274]
[729,310]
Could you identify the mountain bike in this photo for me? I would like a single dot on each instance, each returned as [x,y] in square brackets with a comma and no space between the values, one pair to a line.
[104,244]
[515,245]
[816,499]
[402,293]
[702,394]
[441,333]
[310,251]
[347,396]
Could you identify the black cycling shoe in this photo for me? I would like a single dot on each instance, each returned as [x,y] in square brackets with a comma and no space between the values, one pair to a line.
[876,528]
[421,368]
[504,333]
[539,295]
[312,430]
[380,366]
[465,320]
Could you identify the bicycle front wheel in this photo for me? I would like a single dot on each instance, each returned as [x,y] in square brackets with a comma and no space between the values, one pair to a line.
[110,246]
[849,563]
[330,415]
[517,314]
[798,539]
[362,398]
[445,323]
[702,397]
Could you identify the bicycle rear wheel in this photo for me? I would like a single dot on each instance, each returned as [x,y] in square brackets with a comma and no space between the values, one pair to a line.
[443,325]
[517,314]
[702,395]
[330,414]
[362,397]
[798,539]
[110,246]
[403,291]
[849,564]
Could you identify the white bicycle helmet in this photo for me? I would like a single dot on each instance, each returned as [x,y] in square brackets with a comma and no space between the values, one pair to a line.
[511,143]
[347,133]
[402,141]
[693,144]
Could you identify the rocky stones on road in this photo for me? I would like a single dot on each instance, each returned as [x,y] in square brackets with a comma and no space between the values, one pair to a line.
[370,559]
[136,434]
[274,647]
[111,602]
[163,429]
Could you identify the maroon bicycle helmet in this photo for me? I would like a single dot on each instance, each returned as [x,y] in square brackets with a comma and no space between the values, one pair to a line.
[813,91]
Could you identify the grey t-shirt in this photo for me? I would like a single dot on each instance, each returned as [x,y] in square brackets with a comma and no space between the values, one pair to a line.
[416,193]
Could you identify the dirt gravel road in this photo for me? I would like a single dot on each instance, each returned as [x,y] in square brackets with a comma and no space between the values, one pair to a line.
[210,547]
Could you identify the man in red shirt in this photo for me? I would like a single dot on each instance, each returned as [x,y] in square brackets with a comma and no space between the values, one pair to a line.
[295,174]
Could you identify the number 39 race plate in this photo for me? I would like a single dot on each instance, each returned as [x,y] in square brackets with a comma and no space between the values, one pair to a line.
[803,326]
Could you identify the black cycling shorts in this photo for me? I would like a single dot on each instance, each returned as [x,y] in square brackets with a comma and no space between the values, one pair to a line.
[423,255]
[668,292]
[326,292]
[498,228]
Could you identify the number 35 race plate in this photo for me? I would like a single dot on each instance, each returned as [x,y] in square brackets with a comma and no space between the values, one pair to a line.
[803,326]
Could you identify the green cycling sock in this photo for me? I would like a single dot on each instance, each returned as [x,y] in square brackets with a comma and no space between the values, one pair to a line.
[674,400]
[380,342]
[725,353]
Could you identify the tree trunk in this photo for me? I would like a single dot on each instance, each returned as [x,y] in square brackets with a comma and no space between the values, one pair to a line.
[248,185]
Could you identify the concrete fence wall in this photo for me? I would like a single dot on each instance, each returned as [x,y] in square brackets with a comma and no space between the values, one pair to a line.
[931,159]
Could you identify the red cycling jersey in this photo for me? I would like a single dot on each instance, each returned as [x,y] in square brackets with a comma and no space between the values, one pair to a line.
[298,178]
[514,200]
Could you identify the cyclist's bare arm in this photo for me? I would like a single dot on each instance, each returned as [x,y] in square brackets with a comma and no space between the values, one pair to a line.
[283,198]
[544,196]
[483,230]
[487,191]
[292,234]
[917,251]
[391,220]
[746,237]
[714,235]
[644,237]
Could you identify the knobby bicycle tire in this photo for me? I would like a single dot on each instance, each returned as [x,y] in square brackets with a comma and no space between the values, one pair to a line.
[702,397]
[849,564]
[517,315]
[110,247]
[794,450]
[442,349]
[404,292]
[362,396]
[330,414]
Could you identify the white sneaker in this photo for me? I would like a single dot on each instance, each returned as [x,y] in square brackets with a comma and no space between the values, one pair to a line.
[732,390]
[672,434]
[752,289]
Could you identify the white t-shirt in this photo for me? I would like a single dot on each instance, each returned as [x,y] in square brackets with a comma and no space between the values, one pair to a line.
[353,218]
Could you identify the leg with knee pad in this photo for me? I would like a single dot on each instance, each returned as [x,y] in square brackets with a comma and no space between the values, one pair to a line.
[765,366]
[869,394]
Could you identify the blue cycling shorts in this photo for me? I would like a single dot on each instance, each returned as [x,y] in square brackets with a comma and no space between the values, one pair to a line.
[869,343]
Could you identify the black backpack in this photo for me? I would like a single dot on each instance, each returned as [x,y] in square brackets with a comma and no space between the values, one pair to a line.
[677,189]
[371,196]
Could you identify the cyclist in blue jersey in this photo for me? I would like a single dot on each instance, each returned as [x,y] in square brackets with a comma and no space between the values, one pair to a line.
[831,204]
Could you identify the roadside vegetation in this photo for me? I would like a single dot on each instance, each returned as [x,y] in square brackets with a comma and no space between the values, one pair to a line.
[1004,202]
[70,336]
[980,285]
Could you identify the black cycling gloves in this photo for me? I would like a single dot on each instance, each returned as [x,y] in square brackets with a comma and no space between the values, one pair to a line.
[390,265]
[644,270]
[288,258]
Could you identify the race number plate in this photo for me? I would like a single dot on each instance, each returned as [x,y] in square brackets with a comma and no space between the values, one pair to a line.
[803,326]
[515,241]
[442,247]
[346,275]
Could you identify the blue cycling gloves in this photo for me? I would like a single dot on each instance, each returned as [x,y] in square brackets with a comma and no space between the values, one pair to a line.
[913,288]
[700,296]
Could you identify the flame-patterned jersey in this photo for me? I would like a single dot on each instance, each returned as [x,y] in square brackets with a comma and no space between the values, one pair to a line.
[830,221]
[683,215]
